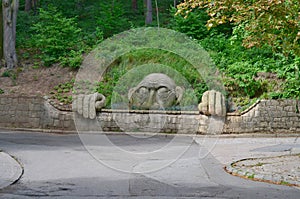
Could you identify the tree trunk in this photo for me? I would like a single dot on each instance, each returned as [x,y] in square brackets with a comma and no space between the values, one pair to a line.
[31,5]
[134,5]
[175,3]
[148,12]
[1,35]
[28,5]
[10,9]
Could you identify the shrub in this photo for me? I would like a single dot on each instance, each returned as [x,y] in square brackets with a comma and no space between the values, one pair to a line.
[292,78]
[194,25]
[240,79]
[56,37]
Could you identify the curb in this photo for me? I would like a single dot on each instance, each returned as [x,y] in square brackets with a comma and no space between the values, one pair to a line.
[240,172]
[241,135]
[10,170]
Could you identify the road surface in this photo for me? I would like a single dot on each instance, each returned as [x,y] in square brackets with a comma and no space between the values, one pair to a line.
[60,166]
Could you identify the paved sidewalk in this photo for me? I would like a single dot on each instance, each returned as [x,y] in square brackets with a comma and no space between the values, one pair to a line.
[271,159]
[10,170]
[284,170]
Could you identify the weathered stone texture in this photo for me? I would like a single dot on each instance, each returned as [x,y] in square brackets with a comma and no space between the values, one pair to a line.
[268,116]
[33,113]
[213,103]
[150,121]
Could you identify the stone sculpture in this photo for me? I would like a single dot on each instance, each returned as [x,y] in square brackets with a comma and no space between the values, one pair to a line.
[87,105]
[213,103]
[155,91]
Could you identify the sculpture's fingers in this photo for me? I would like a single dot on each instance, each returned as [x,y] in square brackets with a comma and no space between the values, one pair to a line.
[79,104]
[92,108]
[130,93]
[211,102]
[74,104]
[218,104]
[203,106]
[223,106]
[86,104]
[179,93]
[99,101]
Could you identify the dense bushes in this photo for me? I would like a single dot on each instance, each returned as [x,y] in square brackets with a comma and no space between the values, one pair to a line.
[63,33]
[52,37]
[145,57]
[112,19]
[57,37]
[251,73]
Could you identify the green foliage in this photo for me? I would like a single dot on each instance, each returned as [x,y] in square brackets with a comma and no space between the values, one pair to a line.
[57,37]
[292,77]
[24,23]
[63,92]
[10,73]
[240,78]
[145,57]
[50,34]
[63,33]
[73,59]
[112,18]
[193,26]
[240,68]
[275,23]
[1,91]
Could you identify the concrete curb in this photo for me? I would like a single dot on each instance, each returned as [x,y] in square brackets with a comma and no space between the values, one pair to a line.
[233,135]
[10,170]
[235,170]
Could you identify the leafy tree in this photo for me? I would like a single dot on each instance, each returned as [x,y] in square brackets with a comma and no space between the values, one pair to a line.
[258,22]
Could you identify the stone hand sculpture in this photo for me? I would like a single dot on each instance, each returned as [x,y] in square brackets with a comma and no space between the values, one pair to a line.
[213,103]
[155,91]
[87,105]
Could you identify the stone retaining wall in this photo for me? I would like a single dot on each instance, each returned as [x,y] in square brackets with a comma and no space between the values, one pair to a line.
[266,116]
[152,121]
[33,113]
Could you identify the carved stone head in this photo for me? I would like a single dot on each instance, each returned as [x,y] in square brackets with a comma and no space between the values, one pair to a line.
[155,91]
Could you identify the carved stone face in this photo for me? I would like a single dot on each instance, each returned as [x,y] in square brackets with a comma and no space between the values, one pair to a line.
[155,91]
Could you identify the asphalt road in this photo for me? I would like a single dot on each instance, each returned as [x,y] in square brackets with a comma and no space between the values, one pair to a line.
[60,166]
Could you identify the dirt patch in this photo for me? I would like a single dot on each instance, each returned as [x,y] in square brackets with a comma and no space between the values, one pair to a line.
[31,80]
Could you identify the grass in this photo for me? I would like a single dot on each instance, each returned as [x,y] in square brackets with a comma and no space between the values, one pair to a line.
[284,183]
[251,176]
[131,68]
[259,164]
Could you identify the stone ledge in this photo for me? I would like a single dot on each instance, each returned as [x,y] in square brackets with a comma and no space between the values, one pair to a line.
[256,169]
[150,112]
[39,113]
[245,111]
